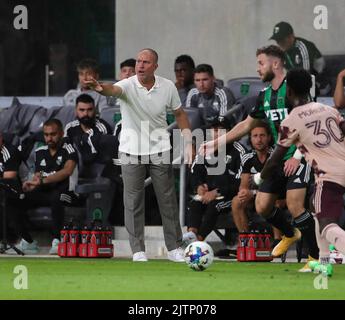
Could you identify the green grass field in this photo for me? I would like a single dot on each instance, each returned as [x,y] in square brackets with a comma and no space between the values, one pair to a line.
[160,279]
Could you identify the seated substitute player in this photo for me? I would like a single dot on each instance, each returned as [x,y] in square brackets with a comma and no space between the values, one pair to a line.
[127,68]
[213,193]
[294,174]
[253,161]
[184,73]
[85,132]
[10,184]
[86,68]
[318,131]
[55,178]
[211,100]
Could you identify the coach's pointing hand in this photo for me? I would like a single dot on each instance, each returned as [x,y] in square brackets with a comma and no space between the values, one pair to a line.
[94,84]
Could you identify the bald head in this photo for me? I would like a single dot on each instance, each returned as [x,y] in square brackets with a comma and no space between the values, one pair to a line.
[152,52]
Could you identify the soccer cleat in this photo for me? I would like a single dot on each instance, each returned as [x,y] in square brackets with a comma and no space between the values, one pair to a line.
[325,269]
[54,248]
[335,256]
[176,255]
[139,257]
[307,267]
[285,243]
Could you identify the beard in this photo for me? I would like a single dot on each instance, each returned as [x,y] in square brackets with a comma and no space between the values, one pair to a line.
[268,76]
[87,121]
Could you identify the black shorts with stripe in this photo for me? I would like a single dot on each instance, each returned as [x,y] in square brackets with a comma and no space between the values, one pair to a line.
[278,183]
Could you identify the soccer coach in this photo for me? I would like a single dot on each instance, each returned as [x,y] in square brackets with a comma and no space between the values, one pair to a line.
[144,100]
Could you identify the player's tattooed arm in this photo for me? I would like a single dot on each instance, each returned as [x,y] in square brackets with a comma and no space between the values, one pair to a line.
[273,162]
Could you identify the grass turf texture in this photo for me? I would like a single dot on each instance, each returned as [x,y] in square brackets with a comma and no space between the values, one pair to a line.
[160,279]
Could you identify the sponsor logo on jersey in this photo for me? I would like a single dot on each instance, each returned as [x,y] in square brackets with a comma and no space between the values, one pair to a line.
[277,114]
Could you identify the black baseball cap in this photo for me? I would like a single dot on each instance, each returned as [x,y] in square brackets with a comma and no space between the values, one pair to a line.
[281,30]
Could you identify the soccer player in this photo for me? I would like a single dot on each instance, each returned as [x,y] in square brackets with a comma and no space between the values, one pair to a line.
[213,193]
[294,175]
[212,101]
[318,131]
[85,132]
[260,139]
[55,178]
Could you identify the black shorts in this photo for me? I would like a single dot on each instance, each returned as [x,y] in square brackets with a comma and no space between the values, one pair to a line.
[278,183]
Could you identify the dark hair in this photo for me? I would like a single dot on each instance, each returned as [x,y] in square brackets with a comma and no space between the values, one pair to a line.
[52,122]
[88,64]
[85,98]
[185,58]
[204,68]
[299,80]
[273,51]
[128,63]
[153,52]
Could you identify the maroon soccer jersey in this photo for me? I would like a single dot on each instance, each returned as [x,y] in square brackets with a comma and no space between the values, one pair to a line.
[314,128]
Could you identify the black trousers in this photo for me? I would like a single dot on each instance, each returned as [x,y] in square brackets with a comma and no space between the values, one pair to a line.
[16,222]
[47,198]
[204,216]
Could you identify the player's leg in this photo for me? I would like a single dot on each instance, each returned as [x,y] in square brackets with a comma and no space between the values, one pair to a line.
[239,214]
[194,219]
[295,200]
[278,218]
[264,205]
[328,202]
[329,198]
[211,214]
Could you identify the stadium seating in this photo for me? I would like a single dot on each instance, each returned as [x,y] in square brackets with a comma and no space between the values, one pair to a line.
[245,87]
[108,114]
[334,64]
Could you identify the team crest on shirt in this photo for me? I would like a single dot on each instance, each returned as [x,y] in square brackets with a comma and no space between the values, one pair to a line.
[228,159]
[281,102]
[59,160]
[253,170]
[215,106]
[297,59]
[43,163]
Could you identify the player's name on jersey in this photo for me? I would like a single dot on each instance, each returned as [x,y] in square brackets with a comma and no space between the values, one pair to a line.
[277,114]
[309,112]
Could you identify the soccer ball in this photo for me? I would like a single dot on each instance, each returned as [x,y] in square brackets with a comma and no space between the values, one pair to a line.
[198,255]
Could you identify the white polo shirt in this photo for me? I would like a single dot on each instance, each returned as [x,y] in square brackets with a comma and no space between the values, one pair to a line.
[144,112]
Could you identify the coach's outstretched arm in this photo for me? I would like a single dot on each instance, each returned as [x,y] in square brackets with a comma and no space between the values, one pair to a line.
[236,133]
[105,89]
